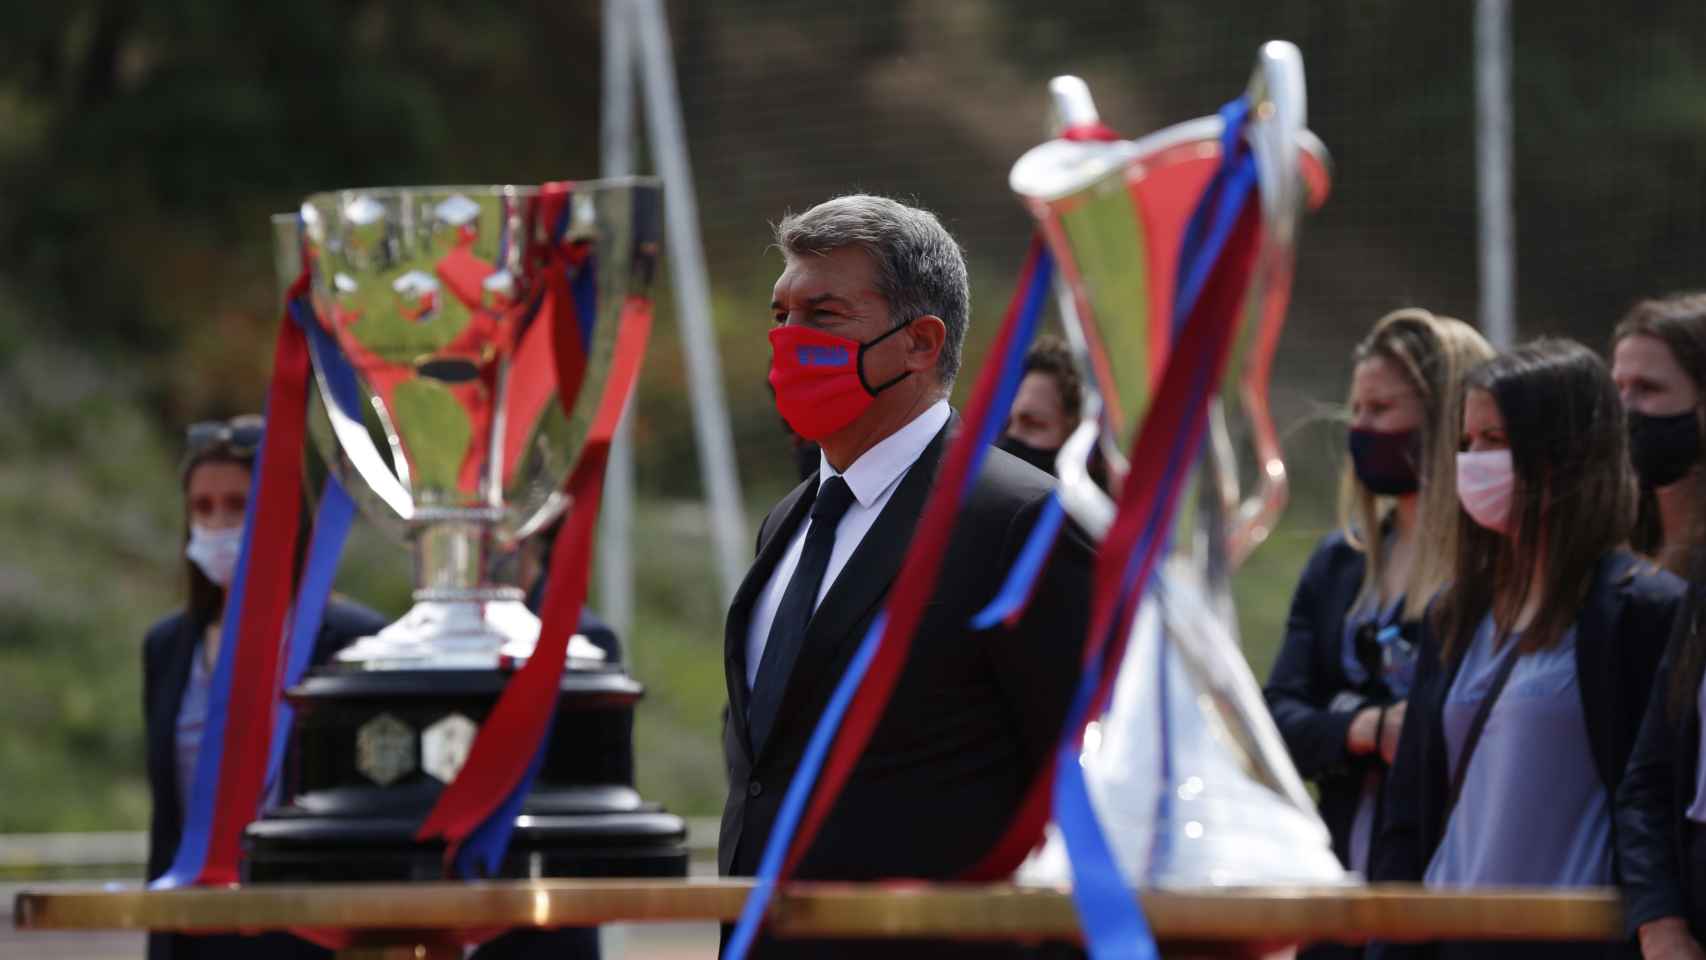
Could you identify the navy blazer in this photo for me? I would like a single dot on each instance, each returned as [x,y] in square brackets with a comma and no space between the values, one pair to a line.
[1309,676]
[1621,633]
[1654,834]
[167,654]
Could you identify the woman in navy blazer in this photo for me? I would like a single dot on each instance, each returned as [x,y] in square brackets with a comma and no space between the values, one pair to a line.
[1659,363]
[179,651]
[1538,658]
[1337,690]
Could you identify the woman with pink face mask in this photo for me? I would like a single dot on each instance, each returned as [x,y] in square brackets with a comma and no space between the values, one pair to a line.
[179,653]
[1539,655]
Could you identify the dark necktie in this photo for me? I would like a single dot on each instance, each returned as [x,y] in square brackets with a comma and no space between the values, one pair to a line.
[788,630]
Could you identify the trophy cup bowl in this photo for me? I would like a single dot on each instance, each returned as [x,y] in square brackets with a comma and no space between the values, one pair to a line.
[432,298]
[445,345]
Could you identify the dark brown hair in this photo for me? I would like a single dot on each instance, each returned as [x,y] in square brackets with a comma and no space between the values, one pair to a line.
[1049,354]
[1573,501]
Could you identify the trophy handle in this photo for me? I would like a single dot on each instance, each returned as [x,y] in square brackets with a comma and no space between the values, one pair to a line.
[349,451]
[1294,171]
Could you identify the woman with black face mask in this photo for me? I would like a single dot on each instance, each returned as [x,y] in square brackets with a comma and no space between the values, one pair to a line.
[1659,363]
[1338,689]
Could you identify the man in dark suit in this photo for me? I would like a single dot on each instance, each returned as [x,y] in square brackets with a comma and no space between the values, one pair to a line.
[871,312]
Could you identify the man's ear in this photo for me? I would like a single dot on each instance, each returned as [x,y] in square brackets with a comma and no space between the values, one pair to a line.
[926,336]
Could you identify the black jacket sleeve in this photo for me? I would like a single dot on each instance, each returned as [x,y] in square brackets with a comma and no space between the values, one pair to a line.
[1299,696]
[1037,665]
[1647,862]
[343,623]
[161,819]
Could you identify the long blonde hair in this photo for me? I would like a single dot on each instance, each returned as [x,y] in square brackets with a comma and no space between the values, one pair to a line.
[1432,353]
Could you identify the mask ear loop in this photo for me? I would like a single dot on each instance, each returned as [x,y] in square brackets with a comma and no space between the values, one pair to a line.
[859,362]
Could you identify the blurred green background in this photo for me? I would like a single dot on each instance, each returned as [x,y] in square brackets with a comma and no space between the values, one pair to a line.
[143,144]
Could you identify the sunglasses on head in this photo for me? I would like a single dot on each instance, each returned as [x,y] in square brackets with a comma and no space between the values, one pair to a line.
[241,433]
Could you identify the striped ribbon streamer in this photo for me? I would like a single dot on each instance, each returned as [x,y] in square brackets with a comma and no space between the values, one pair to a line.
[229,784]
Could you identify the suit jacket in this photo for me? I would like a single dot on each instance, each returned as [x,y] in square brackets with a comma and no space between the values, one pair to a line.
[1655,837]
[973,715]
[1620,637]
[167,654]
[1309,676]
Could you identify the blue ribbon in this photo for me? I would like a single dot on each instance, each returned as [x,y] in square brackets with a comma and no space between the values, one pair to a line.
[326,546]
[823,735]
[799,791]
[483,850]
[191,855]
[1016,589]
[1112,919]
[1114,926]
[585,288]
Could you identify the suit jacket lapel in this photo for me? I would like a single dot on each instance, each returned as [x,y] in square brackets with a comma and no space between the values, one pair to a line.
[791,512]
[864,581]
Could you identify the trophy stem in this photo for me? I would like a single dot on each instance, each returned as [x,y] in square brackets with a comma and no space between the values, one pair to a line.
[466,616]
[454,554]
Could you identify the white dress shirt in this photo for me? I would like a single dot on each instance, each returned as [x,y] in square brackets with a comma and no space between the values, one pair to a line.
[872,479]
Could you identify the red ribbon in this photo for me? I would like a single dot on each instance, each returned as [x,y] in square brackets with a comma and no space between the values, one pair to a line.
[266,603]
[511,734]
[1213,321]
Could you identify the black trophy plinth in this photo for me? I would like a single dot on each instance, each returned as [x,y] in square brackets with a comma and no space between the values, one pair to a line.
[371,750]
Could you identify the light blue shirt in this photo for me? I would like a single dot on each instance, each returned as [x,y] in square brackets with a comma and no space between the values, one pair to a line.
[1533,810]
[192,716]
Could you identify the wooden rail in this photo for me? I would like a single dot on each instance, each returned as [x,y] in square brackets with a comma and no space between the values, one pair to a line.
[391,913]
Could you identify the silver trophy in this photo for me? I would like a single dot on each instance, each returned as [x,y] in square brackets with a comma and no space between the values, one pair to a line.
[450,324]
[1188,775]
[457,440]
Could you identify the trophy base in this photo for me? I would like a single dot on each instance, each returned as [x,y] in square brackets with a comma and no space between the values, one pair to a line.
[475,629]
[371,751]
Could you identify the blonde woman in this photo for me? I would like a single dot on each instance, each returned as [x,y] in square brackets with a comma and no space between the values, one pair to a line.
[1338,689]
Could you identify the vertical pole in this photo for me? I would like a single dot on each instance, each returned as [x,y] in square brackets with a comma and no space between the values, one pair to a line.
[616,159]
[692,294]
[616,538]
[1493,170]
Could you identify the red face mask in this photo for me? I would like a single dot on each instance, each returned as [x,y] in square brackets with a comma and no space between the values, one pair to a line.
[819,379]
